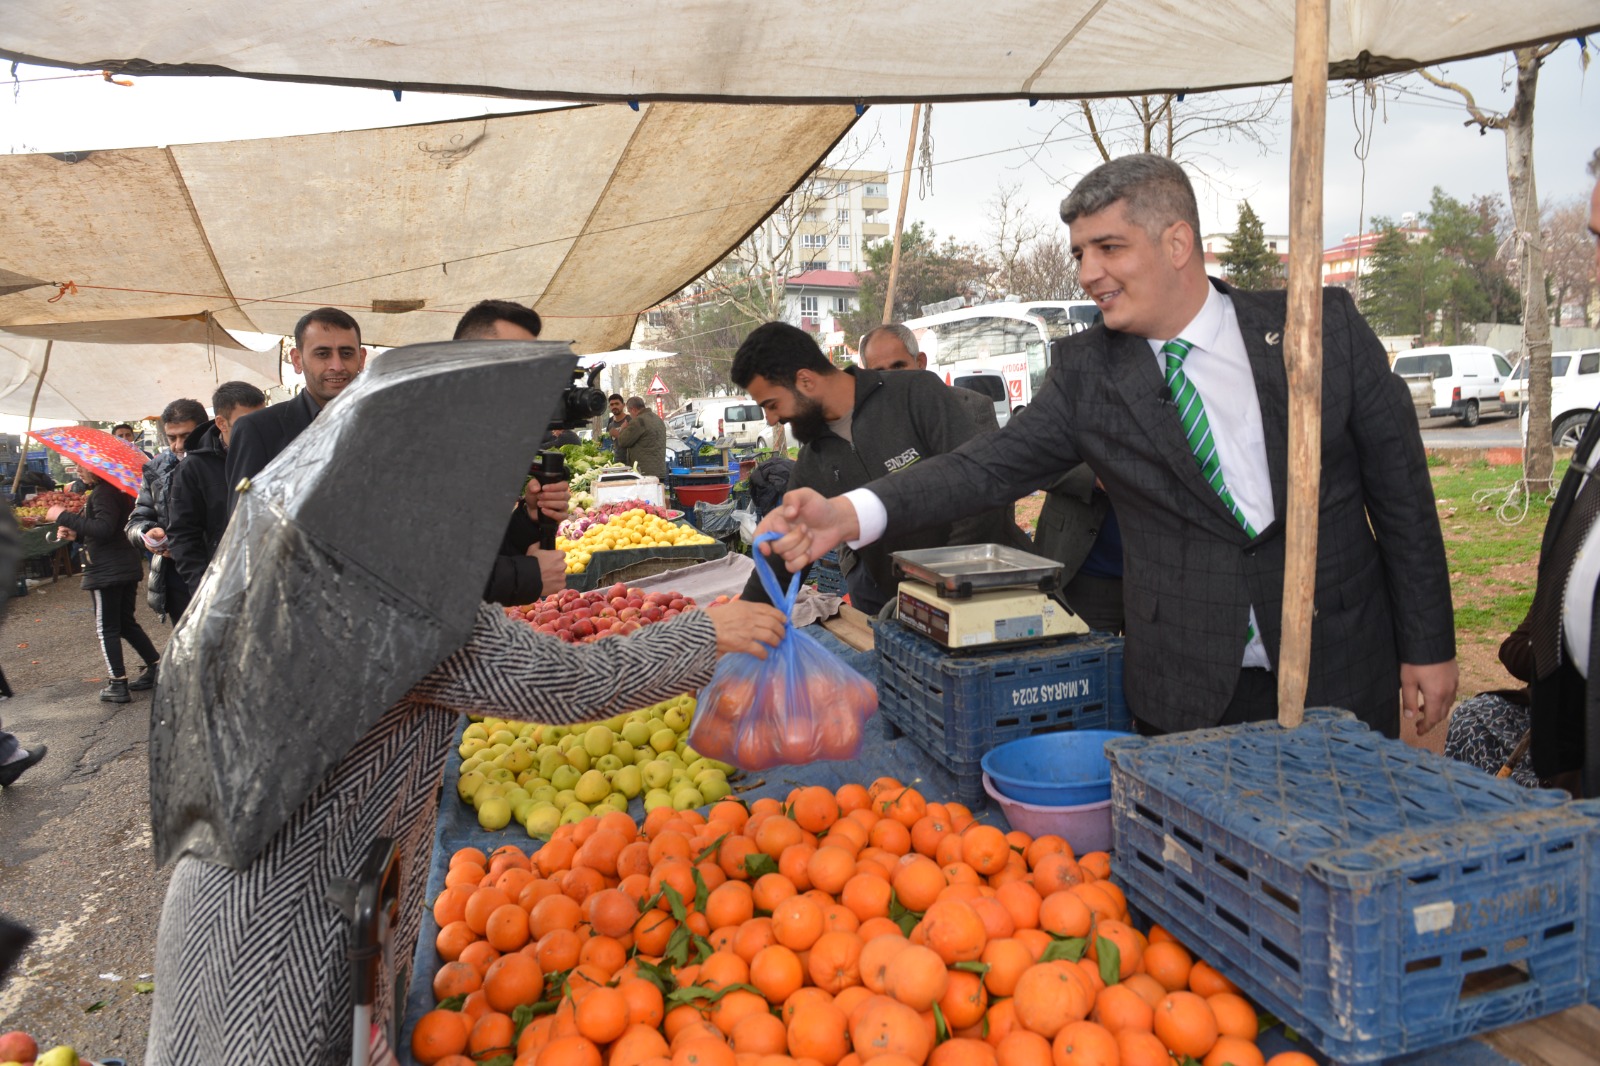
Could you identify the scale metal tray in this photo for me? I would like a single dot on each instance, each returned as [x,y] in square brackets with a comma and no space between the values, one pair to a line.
[960,571]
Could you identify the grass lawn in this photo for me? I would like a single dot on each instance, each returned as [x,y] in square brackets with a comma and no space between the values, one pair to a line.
[1492,560]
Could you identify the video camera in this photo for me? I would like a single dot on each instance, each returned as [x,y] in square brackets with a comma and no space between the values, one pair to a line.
[582,400]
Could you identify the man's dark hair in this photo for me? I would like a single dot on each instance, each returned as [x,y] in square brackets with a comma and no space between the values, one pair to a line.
[121,425]
[183,411]
[481,317]
[1155,189]
[614,396]
[325,316]
[234,394]
[778,351]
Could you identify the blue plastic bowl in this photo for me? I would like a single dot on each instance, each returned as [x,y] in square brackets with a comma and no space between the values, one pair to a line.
[1053,769]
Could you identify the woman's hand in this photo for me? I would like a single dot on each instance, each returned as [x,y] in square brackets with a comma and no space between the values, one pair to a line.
[752,628]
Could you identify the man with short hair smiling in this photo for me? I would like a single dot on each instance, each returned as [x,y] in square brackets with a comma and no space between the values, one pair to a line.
[1179,402]
[327,351]
[854,425]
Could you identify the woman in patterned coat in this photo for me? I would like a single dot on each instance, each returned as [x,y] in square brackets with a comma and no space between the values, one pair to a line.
[251,964]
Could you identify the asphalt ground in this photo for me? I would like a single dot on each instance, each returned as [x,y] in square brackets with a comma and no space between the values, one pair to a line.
[76,864]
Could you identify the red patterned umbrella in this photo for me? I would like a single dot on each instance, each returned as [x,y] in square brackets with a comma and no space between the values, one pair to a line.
[96,450]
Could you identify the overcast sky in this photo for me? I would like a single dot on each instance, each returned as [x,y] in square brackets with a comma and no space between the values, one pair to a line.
[1416,139]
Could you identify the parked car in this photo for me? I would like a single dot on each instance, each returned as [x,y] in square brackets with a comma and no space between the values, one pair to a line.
[1574,392]
[741,422]
[990,383]
[1462,381]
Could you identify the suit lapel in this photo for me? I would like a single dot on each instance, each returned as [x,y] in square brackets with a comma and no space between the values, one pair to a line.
[1263,342]
[1144,390]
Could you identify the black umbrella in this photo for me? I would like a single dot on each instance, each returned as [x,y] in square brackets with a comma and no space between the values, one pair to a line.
[353,564]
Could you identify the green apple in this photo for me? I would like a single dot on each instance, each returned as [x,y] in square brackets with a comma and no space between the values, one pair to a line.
[575,812]
[624,750]
[598,740]
[475,731]
[636,733]
[657,774]
[567,742]
[468,785]
[521,807]
[663,740]
[676,720]
[518,759]
[526,730]
[494,751]
[502,736]
[657,797]
[549,759]
[629,781]
[542,820]
[492,814]
[62,1055]
[543,793]
[616,801]
[715,789]
[469,765]
[592,787]
[500,774]
[688,798]
[472,747]
[578,757]
[608,763]
[565,777]
[563,799]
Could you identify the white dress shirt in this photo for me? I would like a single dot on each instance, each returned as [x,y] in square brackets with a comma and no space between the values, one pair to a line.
[1219,368]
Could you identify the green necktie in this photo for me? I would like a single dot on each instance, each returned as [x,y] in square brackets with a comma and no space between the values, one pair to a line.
[1197,428]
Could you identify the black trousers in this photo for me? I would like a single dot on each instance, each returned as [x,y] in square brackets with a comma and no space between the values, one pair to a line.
[1097,600]
[1255,699]
[114,622]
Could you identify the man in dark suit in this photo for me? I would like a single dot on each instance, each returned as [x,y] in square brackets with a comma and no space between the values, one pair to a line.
[327,350]
[1563,625]
[1200,496]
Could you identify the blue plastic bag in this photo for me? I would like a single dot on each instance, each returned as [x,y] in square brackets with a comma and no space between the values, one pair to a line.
[798,705]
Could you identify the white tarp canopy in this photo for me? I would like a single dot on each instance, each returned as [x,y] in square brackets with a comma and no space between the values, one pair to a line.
[591,214]
[147,364]
[754,50]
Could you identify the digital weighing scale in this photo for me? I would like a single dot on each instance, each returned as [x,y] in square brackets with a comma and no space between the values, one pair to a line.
[982,595]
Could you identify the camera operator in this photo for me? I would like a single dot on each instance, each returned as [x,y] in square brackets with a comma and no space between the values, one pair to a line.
[523,572]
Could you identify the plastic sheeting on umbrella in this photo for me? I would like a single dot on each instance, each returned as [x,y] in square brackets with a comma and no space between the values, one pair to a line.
[353,565]
[110,458]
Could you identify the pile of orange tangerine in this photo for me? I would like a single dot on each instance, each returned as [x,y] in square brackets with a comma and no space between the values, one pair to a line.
[867,925]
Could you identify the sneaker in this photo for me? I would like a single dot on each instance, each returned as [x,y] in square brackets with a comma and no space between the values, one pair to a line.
[116,691]
[147,679]
[13,770]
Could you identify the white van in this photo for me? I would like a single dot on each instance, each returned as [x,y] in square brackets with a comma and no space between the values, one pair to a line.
[742,422]
[991,385]
[1462,381]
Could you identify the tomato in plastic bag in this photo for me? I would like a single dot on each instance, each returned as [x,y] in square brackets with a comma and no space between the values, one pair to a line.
[800,704]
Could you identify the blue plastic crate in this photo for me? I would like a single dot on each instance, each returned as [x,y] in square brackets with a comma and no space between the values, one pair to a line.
[957,707]
[1378,898]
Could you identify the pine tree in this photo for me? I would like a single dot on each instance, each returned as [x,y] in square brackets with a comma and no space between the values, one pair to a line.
[1250,264]
[1393,296]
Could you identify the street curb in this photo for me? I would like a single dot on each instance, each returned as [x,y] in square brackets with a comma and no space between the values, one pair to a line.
[1492,456]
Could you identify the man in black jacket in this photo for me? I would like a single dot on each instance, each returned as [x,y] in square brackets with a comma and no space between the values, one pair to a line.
[327,350]
[523,571]
[197,502]
[168,594]
[854,426]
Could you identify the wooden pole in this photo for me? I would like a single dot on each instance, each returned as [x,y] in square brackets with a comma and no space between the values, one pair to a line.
[1302,353]
[22,453]
[900,217]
